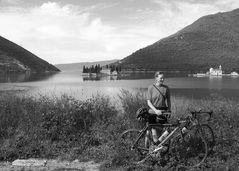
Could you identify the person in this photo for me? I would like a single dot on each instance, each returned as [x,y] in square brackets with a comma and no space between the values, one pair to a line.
[158,100]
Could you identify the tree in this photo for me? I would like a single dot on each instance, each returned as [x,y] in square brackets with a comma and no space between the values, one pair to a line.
[92,69]
[112,68]
[99,68]
[84,69]
[119,67]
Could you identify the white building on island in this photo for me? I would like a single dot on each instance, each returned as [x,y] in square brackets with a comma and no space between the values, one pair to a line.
[107,71]
[234,74]
[216,72]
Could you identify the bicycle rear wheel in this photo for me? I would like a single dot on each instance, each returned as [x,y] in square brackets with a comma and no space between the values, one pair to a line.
[189,150]
[133,140]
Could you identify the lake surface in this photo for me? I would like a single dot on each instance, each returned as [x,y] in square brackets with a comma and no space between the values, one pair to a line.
[82,87]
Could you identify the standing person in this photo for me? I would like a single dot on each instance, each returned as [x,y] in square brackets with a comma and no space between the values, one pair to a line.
[158,100]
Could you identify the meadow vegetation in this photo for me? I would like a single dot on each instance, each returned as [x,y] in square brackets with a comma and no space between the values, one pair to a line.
[66,128]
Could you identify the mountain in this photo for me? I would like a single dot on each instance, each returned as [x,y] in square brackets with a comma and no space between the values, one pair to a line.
[210,41]
[79,66]
[15,58]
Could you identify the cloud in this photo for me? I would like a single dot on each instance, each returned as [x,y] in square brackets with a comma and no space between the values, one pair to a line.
[66,33]
[227,5]
[223,5]
[10,2]
[176,14]
[52,28]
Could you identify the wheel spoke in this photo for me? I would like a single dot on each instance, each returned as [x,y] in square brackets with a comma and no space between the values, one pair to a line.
[190,150]
[134,144]
[208,135]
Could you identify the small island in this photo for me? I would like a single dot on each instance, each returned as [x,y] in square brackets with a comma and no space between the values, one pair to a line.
[215,72]
[98,70]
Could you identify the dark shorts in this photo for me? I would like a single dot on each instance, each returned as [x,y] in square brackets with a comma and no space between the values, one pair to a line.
[154,119]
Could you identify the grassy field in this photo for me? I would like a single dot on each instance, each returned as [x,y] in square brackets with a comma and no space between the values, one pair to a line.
[67,128]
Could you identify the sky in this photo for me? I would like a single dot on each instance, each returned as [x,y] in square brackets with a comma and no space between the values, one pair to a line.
[71,31]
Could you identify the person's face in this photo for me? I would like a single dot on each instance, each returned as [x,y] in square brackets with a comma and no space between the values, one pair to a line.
[159,79]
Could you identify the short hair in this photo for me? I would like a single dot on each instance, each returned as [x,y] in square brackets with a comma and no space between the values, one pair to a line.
[158,73]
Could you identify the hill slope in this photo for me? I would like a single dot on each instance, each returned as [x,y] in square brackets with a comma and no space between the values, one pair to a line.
[210,41]
[15,58]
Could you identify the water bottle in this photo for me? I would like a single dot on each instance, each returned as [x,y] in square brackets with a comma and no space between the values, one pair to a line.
[184,130]
[163,136]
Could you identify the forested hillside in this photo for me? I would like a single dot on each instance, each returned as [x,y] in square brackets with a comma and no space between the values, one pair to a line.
[15,58]
[210,41]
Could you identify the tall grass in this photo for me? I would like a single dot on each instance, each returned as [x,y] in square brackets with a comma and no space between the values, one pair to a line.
[67,128]
[49,127]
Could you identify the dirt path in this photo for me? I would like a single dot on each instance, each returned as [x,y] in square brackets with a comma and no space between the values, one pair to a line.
[49,165]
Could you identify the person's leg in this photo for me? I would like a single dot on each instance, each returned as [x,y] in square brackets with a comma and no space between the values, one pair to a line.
[154,135]
[147,140]
[153,119]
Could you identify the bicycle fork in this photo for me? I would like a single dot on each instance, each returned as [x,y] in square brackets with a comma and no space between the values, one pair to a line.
[140,135]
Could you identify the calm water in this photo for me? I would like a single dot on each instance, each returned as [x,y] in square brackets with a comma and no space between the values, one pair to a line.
[82,87]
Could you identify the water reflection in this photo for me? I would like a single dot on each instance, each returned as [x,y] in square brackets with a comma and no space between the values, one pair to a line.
[23,77]
[76,76]
[101,78]
[12,77]
[129,76]
[215,82]
[75,84]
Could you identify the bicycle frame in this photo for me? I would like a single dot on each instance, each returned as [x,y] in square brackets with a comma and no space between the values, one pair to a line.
[150,126]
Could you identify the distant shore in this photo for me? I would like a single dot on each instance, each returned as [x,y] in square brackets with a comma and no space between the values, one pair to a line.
[209,75]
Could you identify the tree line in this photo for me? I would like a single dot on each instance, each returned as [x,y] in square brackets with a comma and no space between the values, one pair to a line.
[114,68]
[97,68]
[92,69]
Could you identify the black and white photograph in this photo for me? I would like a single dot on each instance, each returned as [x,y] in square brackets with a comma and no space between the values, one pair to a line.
[119,85]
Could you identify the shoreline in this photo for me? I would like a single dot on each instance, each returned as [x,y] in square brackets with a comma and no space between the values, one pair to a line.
[209,75]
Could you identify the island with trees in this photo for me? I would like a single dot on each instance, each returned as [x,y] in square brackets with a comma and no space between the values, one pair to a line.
[101,70]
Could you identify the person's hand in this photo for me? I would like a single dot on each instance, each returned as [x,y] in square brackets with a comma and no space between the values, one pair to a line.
[158,112]
[167,114]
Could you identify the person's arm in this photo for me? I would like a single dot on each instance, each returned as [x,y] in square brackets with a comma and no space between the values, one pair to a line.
[156,111]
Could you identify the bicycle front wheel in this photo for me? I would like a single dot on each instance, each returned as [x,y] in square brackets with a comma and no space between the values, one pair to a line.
[208,135]
[134,142]
[189,150]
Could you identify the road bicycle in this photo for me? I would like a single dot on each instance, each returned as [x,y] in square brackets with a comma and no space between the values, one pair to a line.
[187,150]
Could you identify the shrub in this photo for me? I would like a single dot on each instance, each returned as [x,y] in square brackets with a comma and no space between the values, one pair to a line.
[49,126]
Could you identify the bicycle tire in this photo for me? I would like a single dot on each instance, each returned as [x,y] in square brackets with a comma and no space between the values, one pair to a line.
[189,150]
[138,149]
[208,135]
